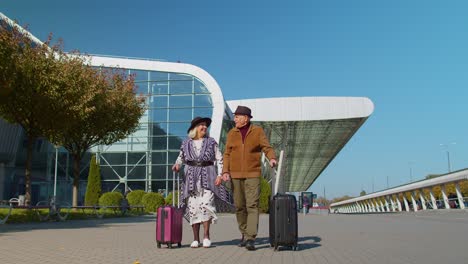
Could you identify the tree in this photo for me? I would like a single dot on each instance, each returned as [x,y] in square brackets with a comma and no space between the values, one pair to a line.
[93,189]
[109,113]
[362,193]
[29,81]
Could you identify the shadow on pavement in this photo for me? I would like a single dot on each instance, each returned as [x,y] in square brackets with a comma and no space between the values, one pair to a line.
[71,224]
[304,243]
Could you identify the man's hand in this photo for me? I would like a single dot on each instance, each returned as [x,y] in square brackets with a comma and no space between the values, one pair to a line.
[273,163]
[218,180]
[226,176]
[176,167]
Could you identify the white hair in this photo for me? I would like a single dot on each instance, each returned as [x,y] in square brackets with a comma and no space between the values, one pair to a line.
[192,133]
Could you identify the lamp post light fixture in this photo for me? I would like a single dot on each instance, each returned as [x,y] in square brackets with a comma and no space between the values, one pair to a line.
[449,165]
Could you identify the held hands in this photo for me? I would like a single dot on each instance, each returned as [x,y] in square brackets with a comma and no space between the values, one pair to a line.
[218,180]
[225,177]
[273,163]
[176,167]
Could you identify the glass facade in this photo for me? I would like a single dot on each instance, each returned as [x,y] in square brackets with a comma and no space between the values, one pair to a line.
[144,159]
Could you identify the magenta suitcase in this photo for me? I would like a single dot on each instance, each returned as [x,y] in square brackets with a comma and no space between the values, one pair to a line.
[169,224]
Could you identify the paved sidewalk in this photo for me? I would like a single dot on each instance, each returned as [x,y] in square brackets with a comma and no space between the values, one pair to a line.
[436,237]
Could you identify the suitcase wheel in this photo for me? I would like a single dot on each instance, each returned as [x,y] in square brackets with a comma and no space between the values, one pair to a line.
[179,244]
[158,244]
[169,245]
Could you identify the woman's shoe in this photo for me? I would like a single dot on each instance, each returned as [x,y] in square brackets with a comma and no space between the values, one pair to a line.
[194,244]
[206,243]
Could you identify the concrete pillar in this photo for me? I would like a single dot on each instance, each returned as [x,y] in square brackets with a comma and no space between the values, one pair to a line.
[444,196]
[406,203]
[383,209]
[413,201]
[392,204]
[423,201]
[398,203]
[459,196]
[433,200]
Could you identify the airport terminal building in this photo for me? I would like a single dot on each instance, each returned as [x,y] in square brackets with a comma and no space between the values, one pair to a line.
[309,130]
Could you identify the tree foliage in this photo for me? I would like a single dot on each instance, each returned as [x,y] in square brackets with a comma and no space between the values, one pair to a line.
[93,189]
[30,82]
[362,193]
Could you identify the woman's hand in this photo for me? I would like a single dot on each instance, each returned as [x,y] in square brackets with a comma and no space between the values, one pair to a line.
[175,167]
[218,180]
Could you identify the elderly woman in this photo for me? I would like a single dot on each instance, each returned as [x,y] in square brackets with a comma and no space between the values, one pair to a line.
[201,191]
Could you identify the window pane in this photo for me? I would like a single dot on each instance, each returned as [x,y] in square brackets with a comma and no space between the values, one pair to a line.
[203,100]
[158,102]
[159,143]
[159,157]
[199,87]
[137,172]
[180,87]
[173,156]
[109,173]
[180,115]
[159,76]
[178,128]
[140,75]
[180,76]
[180,101]
[137,158]
[113,158]
[159,87]
[137,143]
[136,185]
[159,172]
[159,129]
[204,112]
[141,87]
[158,115]
[175,142]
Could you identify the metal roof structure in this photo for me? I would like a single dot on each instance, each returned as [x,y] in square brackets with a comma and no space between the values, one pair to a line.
[310,130]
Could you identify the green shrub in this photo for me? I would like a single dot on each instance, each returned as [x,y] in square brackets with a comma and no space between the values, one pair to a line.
[110,199]
[265,193]
[93,189]
[169,198]
[134,197]
[152,201]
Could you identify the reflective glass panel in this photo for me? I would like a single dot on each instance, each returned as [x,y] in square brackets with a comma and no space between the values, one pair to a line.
[159,157]
[178,129]
[204,112]
[159,76]
[180,115]
[159,129]
[136,172]
[158,101]
[180,87]
[140,75]
[137,158]
[180,76]
[159,143]
[159,172]
[203,100]
[199,87]
[158,115]
[159,87]
[141,87]
[180,101]
[113,158]
[110,173]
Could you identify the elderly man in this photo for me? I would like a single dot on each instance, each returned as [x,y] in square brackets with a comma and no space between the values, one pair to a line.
[244,145]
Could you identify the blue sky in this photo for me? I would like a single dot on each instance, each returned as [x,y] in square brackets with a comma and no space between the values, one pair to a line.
[409,57]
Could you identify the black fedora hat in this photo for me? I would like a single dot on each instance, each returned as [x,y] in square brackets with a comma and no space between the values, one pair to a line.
[197,120]
[243,110]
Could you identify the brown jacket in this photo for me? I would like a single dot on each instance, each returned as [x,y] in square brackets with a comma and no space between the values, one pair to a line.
[242,160]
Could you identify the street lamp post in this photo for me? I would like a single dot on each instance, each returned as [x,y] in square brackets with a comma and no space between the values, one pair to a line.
[55,174]
[449,165]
